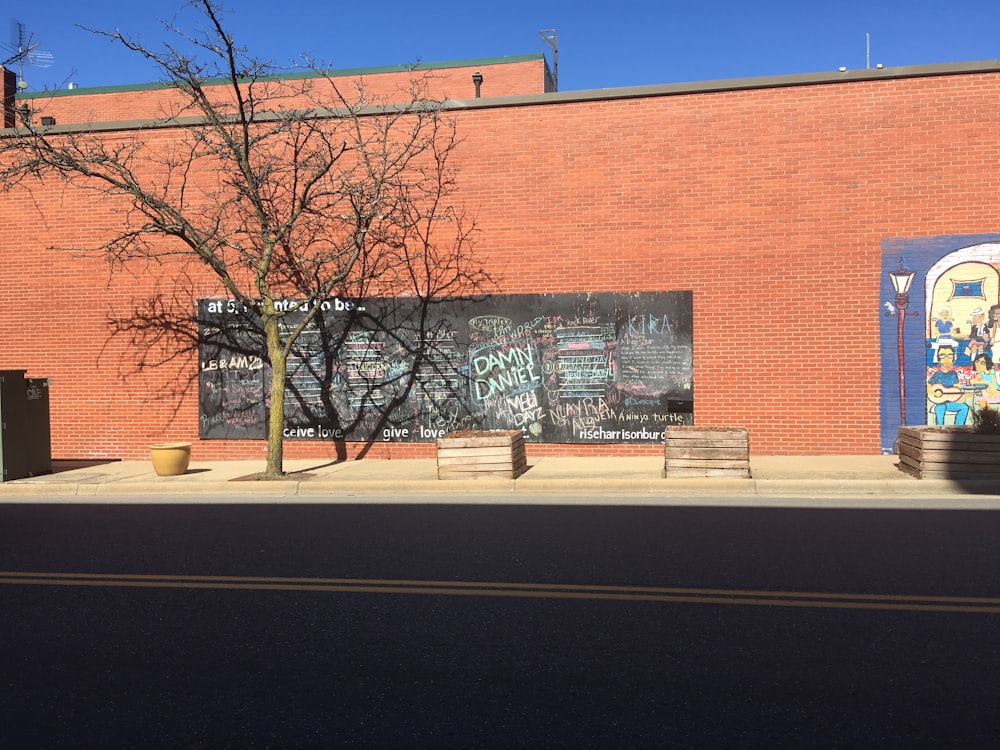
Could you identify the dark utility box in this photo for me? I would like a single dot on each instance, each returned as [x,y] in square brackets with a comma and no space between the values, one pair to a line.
[25,438]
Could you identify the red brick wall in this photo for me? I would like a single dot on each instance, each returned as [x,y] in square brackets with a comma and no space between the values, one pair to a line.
[770,204]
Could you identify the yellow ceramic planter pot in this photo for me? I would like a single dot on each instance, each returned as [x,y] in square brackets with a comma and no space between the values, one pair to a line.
[170,459]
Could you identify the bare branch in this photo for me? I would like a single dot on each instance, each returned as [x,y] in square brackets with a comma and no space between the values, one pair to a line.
[283,187]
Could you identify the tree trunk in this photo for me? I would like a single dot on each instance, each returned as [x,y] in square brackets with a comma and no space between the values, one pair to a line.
[276,420]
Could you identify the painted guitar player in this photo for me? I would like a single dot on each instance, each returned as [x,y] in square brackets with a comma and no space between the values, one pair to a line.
[944,389]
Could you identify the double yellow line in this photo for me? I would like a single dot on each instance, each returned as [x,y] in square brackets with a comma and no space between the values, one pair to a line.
[983,605]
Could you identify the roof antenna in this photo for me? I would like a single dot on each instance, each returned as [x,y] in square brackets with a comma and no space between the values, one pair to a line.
[25,50]
[550,38]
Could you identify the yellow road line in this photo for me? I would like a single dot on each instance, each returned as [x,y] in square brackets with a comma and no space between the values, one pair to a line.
[983,605]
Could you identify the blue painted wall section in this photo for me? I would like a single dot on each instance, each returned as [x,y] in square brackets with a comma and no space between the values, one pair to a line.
[940,340]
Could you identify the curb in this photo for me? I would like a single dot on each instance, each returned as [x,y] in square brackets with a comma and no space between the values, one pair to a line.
[652,489]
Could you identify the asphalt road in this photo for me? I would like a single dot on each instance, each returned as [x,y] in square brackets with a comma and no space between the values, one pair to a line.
[301,626]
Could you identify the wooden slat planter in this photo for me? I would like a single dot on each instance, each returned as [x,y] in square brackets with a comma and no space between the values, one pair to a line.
[477,455]
[706,452]
[948,453]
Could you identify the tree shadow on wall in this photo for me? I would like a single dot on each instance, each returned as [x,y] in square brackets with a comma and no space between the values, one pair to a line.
[155,339]
[362,374]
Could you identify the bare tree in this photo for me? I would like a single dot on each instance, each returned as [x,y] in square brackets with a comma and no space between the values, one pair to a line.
[286,187]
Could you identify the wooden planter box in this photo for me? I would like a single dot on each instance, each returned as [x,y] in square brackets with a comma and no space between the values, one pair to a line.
[706,452]
[477,455]
[948,453]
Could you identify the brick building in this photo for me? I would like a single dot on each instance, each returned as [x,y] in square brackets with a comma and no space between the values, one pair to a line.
[782,204]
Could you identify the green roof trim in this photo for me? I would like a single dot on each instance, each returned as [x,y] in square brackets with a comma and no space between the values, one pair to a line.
[342,72]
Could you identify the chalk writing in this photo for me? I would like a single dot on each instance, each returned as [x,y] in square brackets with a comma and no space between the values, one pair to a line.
[560,367]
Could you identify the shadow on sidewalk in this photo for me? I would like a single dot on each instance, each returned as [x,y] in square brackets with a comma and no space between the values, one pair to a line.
[71,464]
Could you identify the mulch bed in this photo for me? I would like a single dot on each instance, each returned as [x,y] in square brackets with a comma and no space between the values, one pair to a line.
[294,476]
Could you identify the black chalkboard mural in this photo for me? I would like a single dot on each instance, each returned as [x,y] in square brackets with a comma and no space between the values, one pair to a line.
[231,378]
[563,368]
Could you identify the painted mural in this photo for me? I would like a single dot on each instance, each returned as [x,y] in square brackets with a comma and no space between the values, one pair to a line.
[940,331]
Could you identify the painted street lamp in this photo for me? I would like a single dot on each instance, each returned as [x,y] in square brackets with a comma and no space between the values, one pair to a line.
[901,280]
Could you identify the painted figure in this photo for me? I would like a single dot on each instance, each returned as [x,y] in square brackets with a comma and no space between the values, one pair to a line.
[943,324]
[978,333]
[994,331]
[946,331]
[984,374]
[943,389]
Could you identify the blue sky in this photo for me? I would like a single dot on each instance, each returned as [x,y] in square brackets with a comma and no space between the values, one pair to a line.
[601,45]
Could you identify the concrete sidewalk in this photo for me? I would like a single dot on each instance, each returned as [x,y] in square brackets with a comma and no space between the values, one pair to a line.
[855,481]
